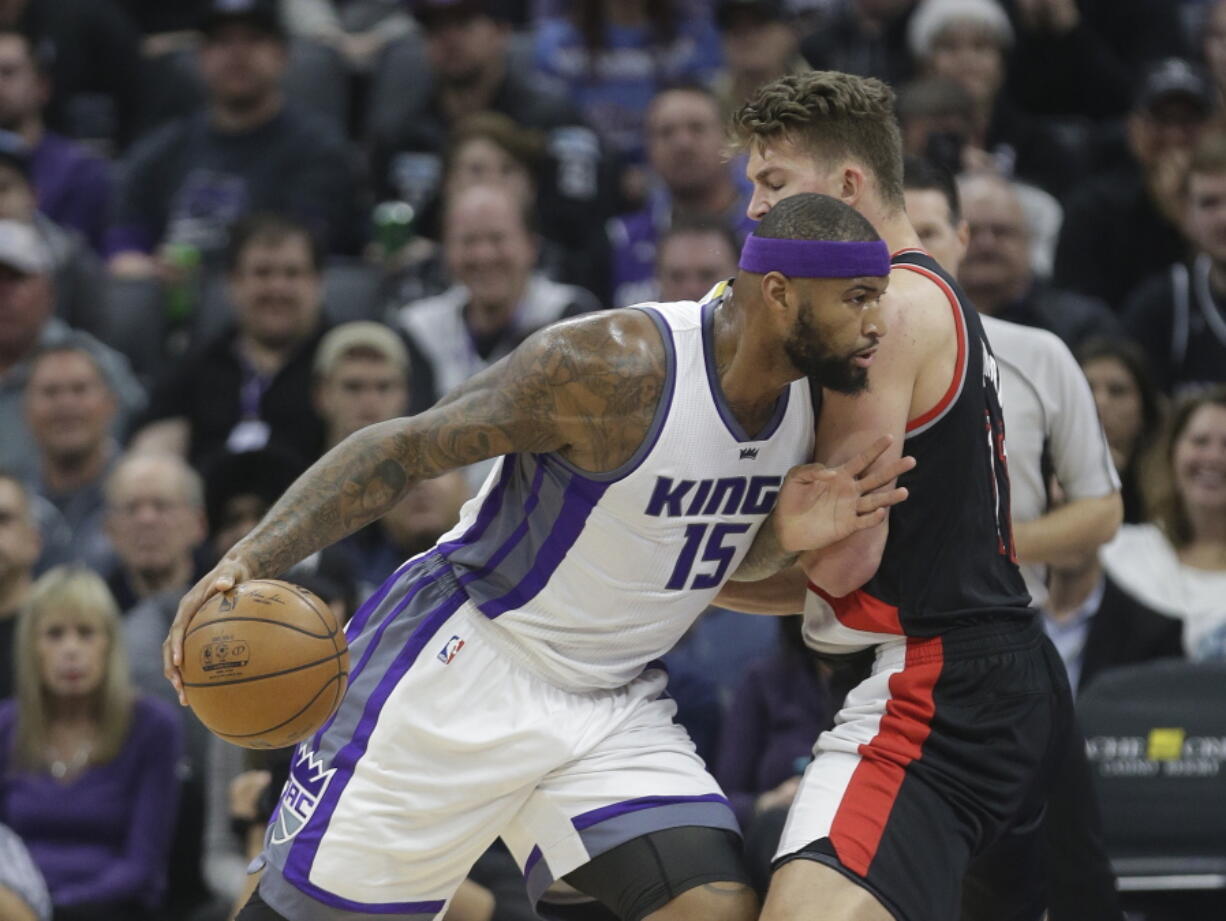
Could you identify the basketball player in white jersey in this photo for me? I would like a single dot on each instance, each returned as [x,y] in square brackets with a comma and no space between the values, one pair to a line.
[502,683]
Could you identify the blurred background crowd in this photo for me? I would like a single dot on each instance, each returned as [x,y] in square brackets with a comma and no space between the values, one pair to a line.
[232,232]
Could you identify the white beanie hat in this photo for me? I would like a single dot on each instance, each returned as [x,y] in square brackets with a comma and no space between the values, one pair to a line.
[931,16]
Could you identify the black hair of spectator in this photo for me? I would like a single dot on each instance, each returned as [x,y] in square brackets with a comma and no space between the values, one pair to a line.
[73,345]
[591,20]
[1136,362]
[923,175]
[265,473]
[700,225]
[810,216]
[42,55]
[268,227]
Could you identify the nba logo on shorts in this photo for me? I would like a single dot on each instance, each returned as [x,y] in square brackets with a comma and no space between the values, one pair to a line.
[302,792]
[448,652]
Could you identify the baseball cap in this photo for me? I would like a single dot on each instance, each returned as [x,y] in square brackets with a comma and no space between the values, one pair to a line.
[762,10]
[1174,78]
[262,14]
[360,335]
[22,248]
[430,12]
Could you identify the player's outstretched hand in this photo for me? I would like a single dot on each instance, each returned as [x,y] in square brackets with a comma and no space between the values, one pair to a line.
[820,505]
[223,577]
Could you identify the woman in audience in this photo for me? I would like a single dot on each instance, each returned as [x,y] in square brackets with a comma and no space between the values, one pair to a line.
[1130,408]
[87,768]
[1177,563]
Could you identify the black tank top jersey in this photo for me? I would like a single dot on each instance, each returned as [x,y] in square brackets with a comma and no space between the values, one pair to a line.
[949,558]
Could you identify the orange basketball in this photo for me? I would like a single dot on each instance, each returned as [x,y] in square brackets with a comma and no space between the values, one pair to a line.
[265,664]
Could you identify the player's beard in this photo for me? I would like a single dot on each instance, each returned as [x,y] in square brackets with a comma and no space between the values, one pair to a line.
[809,354]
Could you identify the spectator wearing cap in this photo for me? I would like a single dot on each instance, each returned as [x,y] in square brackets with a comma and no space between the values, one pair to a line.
[246,150]
[70,409]
[1179,315]
[73,185]
[361,377]
[92,54]
[614,58]
[76,270]
[694,255]
[497,299]
[421,100]
[27,324]
[864,37]
[1123,226]
[250,386]
[760,44]
[691,178]
[969,41]
[997,271]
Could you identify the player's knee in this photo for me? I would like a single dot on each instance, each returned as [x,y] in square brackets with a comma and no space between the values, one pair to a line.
[715,901]
[805,890]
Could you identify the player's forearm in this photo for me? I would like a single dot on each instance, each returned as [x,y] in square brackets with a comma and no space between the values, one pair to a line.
[843,567]
[766,555]
[780,594]
[350,486]
[1074,529]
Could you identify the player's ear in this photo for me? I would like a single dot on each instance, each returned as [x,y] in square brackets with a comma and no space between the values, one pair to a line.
[851,184]
[775,288]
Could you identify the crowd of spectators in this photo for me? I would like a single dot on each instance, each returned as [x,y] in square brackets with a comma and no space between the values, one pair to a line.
[232,232]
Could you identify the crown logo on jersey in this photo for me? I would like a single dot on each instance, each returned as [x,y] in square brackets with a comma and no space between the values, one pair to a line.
[749,453]
[307,783]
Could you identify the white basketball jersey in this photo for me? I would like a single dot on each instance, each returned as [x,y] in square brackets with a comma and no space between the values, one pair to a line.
[588,577]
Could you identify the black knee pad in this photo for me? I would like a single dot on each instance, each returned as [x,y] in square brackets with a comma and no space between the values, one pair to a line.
[644,874]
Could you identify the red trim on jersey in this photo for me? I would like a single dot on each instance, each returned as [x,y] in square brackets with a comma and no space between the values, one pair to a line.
[861,611]
[860,820]
[908,249]
[960,365]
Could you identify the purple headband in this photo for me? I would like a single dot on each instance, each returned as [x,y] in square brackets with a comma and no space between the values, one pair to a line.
[815,258]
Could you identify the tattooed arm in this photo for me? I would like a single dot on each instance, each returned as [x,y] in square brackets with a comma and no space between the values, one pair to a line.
[587,388]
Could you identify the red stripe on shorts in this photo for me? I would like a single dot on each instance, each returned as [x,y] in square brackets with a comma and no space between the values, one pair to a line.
[860,820]
[861,611]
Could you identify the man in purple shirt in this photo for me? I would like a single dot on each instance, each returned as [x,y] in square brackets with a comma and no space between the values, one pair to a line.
[73,185]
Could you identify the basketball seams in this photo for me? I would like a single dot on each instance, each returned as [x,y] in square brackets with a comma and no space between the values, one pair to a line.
[261,620]
[313,601]
[334,680]
[260,677]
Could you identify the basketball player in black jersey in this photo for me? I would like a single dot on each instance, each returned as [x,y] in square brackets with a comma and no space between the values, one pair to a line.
[948,745]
